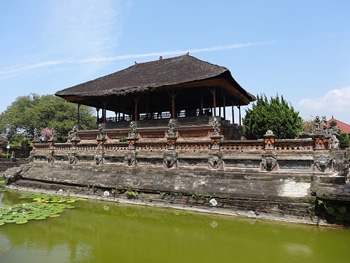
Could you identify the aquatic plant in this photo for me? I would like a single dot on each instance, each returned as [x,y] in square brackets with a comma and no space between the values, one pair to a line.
[131,194]
[44,206]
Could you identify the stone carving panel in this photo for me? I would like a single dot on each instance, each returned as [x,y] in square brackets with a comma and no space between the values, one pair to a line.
[170,159]
[215,160]
[322,163]
[98,157]
[269,162]
[130,158]
[72,157]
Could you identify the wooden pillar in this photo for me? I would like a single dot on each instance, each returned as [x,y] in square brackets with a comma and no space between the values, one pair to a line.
[173,95]
[233,114]
[97,115]
[224,108]
[201,112]
[104,115]
[136,100]
[240,117]
[78,114]
[213,91]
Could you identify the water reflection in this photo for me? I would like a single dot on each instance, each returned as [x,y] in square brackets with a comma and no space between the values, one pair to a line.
[298,249]
[109,232]
[214,224]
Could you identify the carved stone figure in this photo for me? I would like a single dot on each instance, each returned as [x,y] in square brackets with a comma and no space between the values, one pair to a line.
[215,160]
[269,162]
[101,135]
[170,158]
[317,124]
[130,158]
[99,157]
[216,128]
[73,135]
[132,130]
[322,162]
[36,135]
[171,133]
[72,157]
[323,123]
[334,142]
[50,156]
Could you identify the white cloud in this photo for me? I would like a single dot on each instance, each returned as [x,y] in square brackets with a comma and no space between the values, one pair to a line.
[102,59]
[335,102]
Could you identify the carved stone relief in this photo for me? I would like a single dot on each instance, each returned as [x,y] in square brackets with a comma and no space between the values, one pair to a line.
[269,162]
[99,157]
[72,157]
[171,133]
[170,159]
[216,128]
[130,158]
[322,162]
[215,160]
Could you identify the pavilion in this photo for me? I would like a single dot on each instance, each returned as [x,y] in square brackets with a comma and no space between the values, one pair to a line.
[176,87]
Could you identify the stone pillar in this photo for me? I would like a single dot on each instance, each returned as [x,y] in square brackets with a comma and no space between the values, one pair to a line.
[171,135]
[321,142]
[269,159]
[216,138]
[269,141]
[132,138]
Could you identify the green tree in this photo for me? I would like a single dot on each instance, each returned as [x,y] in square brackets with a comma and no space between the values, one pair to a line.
[275,114]
[344,140]
[33,111]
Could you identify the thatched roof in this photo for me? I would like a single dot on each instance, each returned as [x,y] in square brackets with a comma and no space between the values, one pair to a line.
[156,75]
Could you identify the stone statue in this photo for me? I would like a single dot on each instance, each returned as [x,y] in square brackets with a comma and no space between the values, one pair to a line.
[216,127]
[132,130]
[73,134]
[101,135]
[36,135]
[171,129]
[323,123]
[334,142]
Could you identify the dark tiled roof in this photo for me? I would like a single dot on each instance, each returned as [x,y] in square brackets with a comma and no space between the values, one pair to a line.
[149,76]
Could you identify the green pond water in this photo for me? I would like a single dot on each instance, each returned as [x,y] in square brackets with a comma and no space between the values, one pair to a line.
[110,232]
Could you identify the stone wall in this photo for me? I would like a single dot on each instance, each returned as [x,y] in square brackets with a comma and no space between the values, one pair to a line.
[7,164]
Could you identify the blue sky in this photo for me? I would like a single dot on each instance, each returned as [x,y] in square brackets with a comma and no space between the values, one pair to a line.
[296,48]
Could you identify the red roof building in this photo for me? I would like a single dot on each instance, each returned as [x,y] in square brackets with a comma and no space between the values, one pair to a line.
[341,125]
